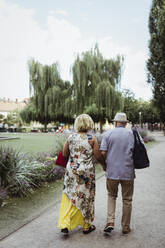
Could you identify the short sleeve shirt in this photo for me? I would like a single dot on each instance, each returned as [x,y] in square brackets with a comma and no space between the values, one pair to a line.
[119,144]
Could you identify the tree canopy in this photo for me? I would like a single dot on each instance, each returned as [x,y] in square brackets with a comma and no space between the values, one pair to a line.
[156,61]
[138,110]
[95,89]
[131,106]
[96,84]
[51,97]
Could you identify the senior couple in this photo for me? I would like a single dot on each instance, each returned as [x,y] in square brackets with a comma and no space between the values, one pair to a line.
[115,156]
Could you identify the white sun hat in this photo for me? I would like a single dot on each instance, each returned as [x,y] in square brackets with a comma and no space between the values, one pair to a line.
[120,117]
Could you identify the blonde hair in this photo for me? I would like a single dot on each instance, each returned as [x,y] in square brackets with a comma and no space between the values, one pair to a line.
[83,123]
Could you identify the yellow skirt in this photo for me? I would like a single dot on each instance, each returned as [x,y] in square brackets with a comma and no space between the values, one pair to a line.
[70,217]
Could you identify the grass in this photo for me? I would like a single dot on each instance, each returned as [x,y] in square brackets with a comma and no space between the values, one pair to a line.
[33,142]
[30,142]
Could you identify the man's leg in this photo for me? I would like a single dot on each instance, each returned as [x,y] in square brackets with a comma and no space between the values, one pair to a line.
[112,188]
[127,194]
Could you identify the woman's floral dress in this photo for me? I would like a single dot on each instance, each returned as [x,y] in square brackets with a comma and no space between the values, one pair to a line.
[79,181]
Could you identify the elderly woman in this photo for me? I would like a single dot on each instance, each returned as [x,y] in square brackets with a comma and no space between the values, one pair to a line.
[77,205]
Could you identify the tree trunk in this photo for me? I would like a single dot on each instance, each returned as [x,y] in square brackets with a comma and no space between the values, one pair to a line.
[101,126]
[45,126]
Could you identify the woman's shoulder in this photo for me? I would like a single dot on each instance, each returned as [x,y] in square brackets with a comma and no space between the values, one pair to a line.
[72,136]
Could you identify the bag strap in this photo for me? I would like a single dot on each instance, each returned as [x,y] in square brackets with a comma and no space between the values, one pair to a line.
[136,135]
[90,139]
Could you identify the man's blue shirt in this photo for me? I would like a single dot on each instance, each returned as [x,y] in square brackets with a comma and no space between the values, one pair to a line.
[119,144]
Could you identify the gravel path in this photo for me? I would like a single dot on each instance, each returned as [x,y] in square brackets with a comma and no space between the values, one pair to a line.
[148,216]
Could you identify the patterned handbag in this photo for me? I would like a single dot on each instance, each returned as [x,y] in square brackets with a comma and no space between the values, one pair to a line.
[61,160]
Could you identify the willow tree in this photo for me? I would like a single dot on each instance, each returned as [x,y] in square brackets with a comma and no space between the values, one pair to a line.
[29,113]
[50,95]
[96,84]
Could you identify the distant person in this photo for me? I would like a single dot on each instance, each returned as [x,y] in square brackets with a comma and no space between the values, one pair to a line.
[117,148]
[77,205]
[6,127]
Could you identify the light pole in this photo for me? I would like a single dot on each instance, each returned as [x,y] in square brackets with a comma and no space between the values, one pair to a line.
[140,119]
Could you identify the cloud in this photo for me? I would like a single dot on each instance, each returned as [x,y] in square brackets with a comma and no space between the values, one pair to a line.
[22,37]
[61,12]
[134,73]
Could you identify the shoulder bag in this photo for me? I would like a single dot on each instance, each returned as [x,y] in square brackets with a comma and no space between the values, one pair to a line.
[140,156]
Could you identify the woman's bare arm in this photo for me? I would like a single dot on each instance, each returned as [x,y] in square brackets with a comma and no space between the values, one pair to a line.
[98,154]
[104,154]
[66,151]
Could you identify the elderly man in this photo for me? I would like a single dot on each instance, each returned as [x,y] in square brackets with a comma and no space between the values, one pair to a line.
[117,147]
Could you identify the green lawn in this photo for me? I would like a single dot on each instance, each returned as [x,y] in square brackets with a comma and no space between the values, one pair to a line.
[30,142]
[34,142]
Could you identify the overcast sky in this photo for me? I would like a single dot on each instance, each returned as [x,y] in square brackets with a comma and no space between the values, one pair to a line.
[56,30]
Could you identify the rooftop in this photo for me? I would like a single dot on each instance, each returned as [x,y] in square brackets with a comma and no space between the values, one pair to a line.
[10,105]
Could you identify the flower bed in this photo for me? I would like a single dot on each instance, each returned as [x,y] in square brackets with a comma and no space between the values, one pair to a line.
[21,173]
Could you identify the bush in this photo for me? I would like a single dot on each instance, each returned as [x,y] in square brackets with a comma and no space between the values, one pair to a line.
[145,136]
[26,176]
[3,195]
[143,132]
[13,171]
[34,175]
[54,173]
[51,171]
[148,139]
[20,174]
[9,158]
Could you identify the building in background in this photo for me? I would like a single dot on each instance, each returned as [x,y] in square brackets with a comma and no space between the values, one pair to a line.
[8,105]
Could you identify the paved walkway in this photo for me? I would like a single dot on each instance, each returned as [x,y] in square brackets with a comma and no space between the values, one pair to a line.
[148,217]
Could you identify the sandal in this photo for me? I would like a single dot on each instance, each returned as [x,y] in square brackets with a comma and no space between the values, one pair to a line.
[90,229]
[65,230]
